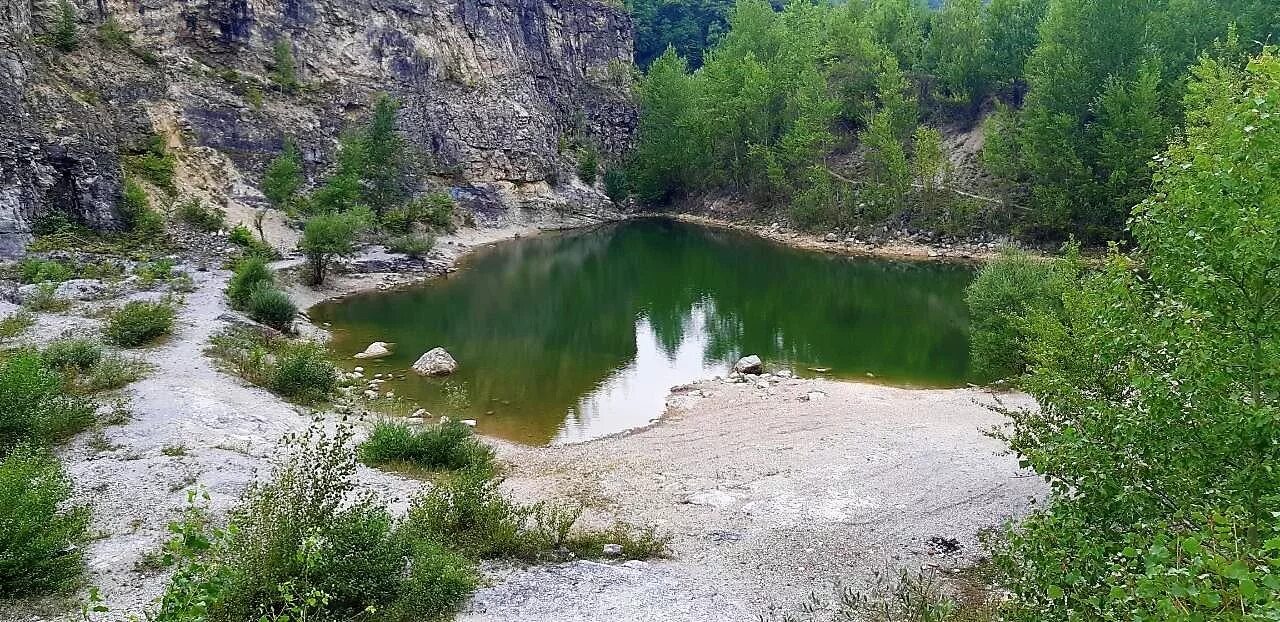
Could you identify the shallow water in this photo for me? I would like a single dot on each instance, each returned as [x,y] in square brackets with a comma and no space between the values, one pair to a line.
[570,336]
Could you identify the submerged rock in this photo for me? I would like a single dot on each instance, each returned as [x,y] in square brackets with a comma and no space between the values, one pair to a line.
[749,364]
[435,362]
[377,349]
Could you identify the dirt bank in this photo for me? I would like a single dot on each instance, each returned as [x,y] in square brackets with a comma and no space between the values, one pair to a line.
[893,248]
[769,494]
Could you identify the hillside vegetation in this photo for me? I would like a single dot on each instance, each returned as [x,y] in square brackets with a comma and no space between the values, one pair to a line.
[1082,95]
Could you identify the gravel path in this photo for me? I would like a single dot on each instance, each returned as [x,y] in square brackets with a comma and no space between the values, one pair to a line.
[769,497]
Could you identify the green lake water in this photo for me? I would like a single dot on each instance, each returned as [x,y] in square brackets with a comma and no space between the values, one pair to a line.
[570,336]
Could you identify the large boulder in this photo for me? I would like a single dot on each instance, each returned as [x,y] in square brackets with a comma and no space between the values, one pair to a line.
[376,350]
[74,289]
[750,364]
[435,362]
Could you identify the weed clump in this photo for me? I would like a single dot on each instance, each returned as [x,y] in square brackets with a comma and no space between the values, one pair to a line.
[451,445]
[38,550]
[300,545]
[140,322]
[271,307]
[35,404]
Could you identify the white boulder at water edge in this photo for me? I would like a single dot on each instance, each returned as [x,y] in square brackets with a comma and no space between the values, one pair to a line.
[750,364]
[376,350]
[436,362]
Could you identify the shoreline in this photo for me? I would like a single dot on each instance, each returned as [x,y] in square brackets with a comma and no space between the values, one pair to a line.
[453,248]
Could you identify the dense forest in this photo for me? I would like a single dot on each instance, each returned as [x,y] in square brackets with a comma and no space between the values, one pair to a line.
[834,111]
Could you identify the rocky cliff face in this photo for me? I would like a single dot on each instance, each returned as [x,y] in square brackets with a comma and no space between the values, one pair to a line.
[491,91]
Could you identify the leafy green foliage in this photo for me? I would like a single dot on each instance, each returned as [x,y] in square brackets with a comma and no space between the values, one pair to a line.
[412,244]
[688,27]
[450,445]
[153,163]
[1157,390]
[434,209]
[303,544]
[298,370]
[588,165]
[249,275]
[78,353]
[302,371]
[140,322]
[66,33]
[271,307]
[35,406]
[253,246]
[112,35]
[201,217]
[468,514]
[327,236]
[35,270]
[1007,295]
[14,324]
[136,209]
[285,70]
[283,177]
[39,548]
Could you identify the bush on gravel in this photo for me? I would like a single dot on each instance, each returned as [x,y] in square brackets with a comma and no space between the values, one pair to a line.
[72,353]
[272,307]
[140,322]
[302,371]
[304,545]
[39,550]
[450,445]
[35,404]
[468,514]
[249,275]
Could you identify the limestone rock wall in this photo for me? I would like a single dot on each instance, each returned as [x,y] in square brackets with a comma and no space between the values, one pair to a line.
[491,90]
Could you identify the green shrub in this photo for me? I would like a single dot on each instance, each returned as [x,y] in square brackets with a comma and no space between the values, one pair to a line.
[140,322]
[15,324]
[413,245]
[253,246]
[35,404]
[327,236]
[65,34]
[136,209]
[46,298]
[303,371]
[151,271]
[39,550]
[1002,299]
[250,275]
[450,445]
[72,353]
[32,270]
[112,35]
[588,165]
[435,210]
[155,163]
[283,177]
[272,307]
[200,217]
[616,185]
[285,72]
[114,371]
[301,545]
[468,514]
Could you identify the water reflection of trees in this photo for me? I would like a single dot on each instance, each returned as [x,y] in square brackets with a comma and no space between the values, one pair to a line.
[543,321]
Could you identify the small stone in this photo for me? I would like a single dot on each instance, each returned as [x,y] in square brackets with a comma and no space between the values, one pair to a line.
[813,396]
[469,422]
[420,413]
[358,370]
[612,550]
[831,237]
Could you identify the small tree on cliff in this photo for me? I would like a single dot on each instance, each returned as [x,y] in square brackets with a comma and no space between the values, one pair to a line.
[283,177]
[285,73]
[65,35]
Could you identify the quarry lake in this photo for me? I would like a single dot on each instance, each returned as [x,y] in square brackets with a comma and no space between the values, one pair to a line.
[570,336]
